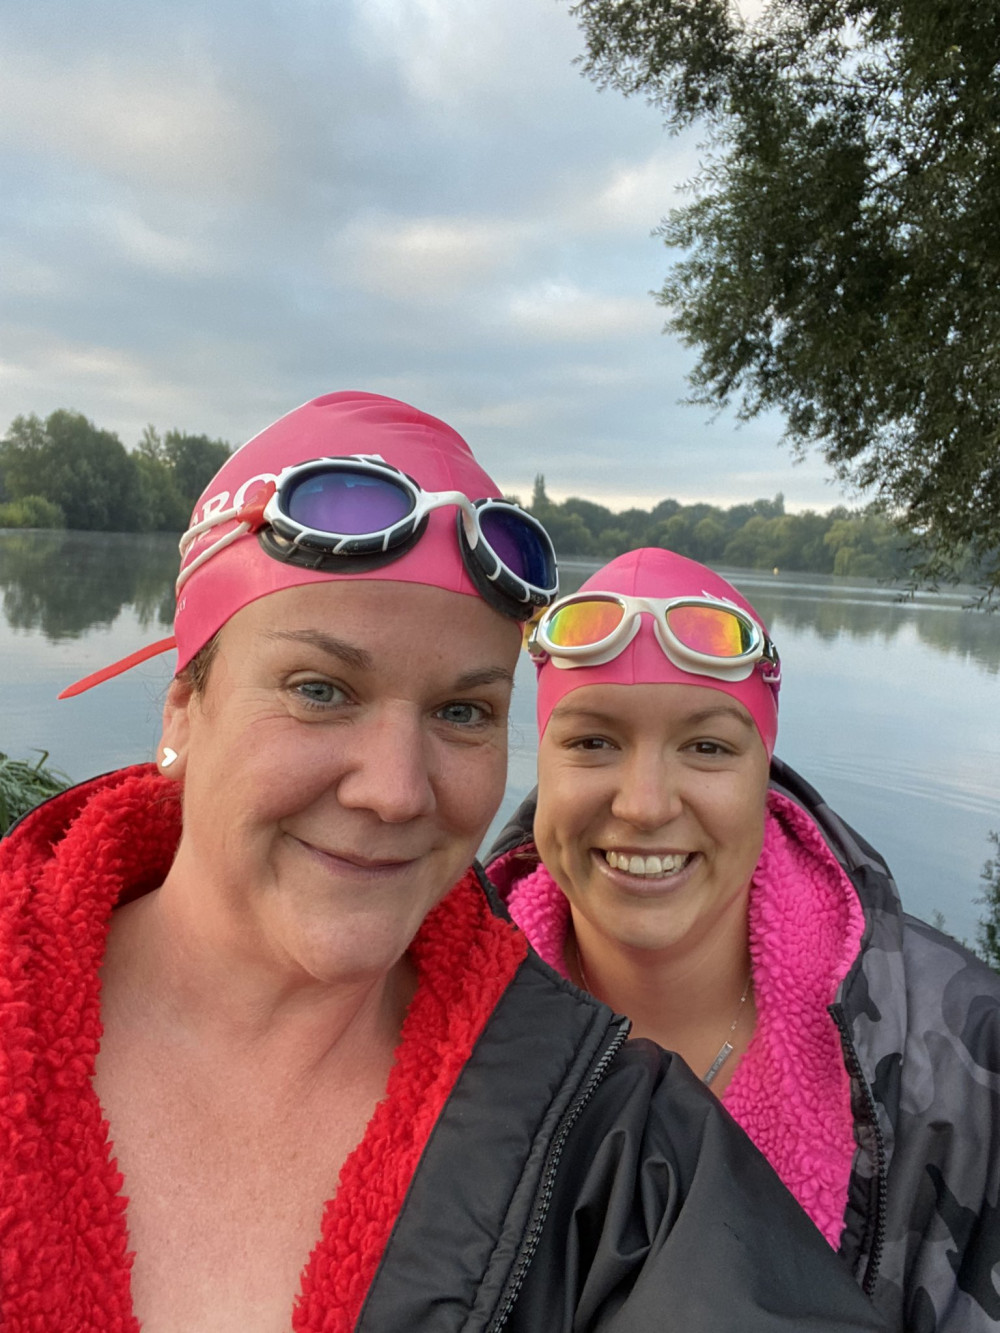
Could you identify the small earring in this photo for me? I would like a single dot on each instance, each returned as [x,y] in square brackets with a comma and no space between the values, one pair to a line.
[169,757]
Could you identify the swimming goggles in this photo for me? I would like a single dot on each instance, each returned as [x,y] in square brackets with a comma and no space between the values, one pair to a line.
[703,635]
[352,514]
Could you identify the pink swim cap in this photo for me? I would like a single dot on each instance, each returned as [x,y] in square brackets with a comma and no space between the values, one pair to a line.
[428,450]
[653,572]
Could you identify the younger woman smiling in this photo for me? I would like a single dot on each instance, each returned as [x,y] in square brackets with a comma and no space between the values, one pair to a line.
[682,875]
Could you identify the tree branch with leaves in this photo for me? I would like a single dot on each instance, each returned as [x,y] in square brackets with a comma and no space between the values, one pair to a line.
[838,258]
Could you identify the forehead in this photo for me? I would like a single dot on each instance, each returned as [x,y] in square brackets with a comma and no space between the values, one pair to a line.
[382,617]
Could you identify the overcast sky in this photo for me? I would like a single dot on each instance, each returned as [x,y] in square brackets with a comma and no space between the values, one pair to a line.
[212,213]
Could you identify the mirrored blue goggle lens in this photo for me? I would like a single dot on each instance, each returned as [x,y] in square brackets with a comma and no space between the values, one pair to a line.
[346,502]
[519,545]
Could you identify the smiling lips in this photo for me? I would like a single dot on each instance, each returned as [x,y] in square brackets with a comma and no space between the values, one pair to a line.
[635,864]
[362,864]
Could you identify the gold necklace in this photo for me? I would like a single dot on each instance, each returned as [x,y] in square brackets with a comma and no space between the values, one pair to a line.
[725,1050]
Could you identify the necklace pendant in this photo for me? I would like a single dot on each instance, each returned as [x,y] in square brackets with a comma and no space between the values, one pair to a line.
[725,1052]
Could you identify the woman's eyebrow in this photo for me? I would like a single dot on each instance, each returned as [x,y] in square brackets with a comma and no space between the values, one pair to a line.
[348,653]
[722,710]
[470,680]
[582,714]
[359,659]
[695,719]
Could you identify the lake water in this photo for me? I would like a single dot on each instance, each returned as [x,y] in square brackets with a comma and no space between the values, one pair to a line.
[890,709]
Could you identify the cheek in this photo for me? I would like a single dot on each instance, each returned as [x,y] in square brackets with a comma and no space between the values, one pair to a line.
[746,834]
[473,787]
[558,817]
[259,776]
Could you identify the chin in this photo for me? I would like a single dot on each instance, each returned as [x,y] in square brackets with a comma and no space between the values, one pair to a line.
[334,954]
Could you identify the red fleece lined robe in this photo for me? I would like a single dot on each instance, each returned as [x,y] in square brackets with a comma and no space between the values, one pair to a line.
[64,1256]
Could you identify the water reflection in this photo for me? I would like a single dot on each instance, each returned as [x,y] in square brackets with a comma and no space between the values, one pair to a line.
[63,584]
[946,627]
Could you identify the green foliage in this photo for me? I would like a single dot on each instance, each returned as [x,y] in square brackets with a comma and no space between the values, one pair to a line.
[65,472]
[23,785]
[866,546]
[31,511]
[193,461]
[158,503]
[858,544]
[988,927]
[839,258]
[72,464]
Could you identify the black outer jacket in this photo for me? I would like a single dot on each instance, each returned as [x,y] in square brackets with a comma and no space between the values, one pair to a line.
[919,1022]
[574,1183]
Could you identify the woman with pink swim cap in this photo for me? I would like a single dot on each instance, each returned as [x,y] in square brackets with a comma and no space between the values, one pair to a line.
[674,869]
[272,1056]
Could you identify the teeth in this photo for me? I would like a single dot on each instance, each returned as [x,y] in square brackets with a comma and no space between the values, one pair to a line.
[646,865]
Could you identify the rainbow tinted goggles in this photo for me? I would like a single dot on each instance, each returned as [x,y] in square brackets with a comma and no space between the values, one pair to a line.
[703,635]
[352,514]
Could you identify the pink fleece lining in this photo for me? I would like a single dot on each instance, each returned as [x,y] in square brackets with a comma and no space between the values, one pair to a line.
[790,1092]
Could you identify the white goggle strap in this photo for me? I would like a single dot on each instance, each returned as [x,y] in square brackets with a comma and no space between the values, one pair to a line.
[223,516]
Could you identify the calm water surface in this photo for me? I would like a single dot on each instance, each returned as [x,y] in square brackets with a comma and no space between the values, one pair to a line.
[892,710]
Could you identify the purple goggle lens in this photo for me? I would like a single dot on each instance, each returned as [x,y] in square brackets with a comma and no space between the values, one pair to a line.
[346,502]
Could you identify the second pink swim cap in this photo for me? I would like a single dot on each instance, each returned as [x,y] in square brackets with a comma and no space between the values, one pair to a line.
[654,572]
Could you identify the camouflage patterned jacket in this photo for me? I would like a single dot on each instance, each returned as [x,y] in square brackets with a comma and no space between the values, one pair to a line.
[919,1020]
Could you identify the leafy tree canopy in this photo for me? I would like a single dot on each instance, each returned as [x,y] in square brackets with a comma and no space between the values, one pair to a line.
[194,461]
[839,257]
[67,461]
[64,471]
[760,535]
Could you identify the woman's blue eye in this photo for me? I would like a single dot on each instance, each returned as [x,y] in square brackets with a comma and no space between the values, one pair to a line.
[320,692]
[462,714]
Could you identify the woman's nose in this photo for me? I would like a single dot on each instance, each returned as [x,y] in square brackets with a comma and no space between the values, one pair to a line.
[648,795]
[388,770]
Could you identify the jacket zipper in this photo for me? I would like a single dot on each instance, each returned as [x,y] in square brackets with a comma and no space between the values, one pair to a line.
[877,1233]
[544,1196]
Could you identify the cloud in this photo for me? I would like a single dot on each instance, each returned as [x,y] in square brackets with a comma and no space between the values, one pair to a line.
[424,257]
[645,189]
[147,123]
[154,246]
[560,312]
[469,54]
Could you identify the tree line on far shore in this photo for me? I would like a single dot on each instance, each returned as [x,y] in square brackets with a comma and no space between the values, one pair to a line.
[859,543]
[64,472]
